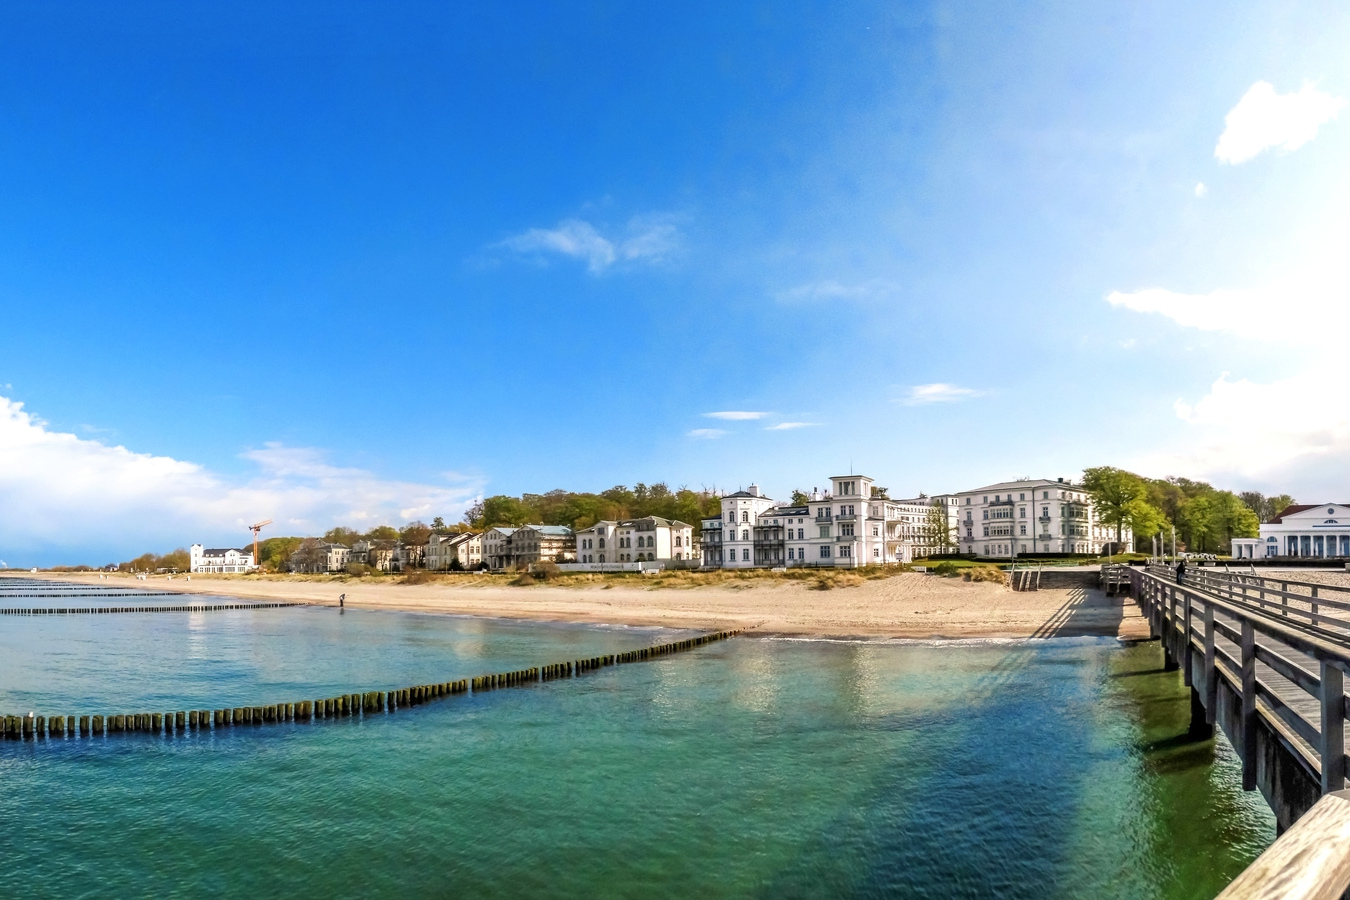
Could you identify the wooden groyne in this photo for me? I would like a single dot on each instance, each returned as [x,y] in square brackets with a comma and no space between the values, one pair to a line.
[99,610]
[366,703]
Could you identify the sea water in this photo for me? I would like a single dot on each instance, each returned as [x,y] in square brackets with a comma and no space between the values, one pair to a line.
[752,767]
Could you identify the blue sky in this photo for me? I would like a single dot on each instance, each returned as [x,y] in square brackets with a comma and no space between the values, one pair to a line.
[348,263]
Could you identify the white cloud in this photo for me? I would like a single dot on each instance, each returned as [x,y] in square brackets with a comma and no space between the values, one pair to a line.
[82,496]
[790,426]
[829,290]
[1287,434]
[735,415]
[1200,190]
[923,394]
[1263,119]
[646,239]
[706,433]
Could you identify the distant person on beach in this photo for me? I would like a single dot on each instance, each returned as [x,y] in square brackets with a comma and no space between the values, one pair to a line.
[1181,571]
[342,600]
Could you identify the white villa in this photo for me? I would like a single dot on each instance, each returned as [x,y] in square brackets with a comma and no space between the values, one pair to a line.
[223,561]
[1013,518]
[1302,530]
[648,539]
[443,549]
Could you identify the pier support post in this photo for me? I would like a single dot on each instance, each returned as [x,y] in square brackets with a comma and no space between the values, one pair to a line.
[1248,743]
[1200,729]
[1211,673]
[1333,728]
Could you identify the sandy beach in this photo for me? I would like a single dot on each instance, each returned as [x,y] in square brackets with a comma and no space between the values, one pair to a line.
[902,606]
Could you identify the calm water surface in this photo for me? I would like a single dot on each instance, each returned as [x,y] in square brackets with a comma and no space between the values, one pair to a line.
[755,767]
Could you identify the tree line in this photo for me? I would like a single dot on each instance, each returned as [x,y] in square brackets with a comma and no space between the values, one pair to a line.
[1206,519]
[582,510]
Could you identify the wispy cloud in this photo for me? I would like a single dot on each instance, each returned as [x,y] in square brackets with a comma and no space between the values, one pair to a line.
[1264,119]
[941,392]
[735,415]
[790,426]
[646,239]
[81,495]
[706,433]
[1200,190]
[830,290]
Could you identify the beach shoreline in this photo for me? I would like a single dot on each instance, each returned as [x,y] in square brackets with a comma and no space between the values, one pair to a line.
[905,605]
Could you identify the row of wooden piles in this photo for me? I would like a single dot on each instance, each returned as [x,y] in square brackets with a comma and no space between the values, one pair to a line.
[99,610]
[343,705]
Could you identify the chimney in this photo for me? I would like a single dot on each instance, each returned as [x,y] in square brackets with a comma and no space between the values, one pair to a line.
[753,490]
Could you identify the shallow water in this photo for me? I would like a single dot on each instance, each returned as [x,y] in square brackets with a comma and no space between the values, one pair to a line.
[751,767]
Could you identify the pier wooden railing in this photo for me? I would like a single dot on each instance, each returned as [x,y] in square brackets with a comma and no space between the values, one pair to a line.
[1266,660]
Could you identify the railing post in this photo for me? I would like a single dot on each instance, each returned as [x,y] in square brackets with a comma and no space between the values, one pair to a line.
[1284,598]
[1333,728]
[1211,673]
[1314,607]
[1186,641]
[1248,706]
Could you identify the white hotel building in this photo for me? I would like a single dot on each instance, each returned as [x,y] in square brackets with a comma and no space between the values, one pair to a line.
[1031,517]
[222,561]
[1321,530]
[851,525]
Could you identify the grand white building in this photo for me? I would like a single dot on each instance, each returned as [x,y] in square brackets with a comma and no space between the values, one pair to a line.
[219,561]
[1303,530]
[852,524]
[1032,516]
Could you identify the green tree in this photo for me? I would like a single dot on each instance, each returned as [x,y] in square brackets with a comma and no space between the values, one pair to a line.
[799,498]
[938,532]
[1121,499]
[340,535]
[382,533]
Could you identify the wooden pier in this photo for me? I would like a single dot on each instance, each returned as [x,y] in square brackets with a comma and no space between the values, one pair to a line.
[1266,660]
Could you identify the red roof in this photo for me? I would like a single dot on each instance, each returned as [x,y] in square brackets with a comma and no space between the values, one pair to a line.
[1291,510]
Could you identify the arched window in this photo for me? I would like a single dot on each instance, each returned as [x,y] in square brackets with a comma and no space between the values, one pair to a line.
[602,556]
[602,546]
[745,517]
[678,539]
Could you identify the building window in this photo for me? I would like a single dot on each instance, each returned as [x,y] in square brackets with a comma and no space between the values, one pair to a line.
[825,552]
[1024,531]
[824,531]
[790,556]
[745,555]
[745,534]
[745,517]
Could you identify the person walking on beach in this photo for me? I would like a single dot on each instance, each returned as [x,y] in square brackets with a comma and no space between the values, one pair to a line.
[342,599]
[1181,571]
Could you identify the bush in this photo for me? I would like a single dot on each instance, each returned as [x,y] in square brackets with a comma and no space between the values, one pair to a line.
[985,573]
[358,569]
[546,570]
[524,579]
[946,569]
[417,576]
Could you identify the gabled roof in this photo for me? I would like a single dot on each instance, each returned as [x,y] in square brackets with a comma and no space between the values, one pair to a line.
[221,551]
[1014,485]
[745,494]
[555,530]
[503,529]
[1297,508]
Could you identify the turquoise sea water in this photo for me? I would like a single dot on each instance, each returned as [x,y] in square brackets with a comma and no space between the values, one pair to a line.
[753,767]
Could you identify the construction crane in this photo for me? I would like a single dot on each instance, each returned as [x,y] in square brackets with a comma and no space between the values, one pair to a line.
[255,529]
